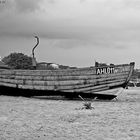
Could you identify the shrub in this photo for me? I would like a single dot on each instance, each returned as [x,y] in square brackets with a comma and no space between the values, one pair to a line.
[18,61]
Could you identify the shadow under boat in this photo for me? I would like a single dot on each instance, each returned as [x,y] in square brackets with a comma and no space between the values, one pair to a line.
[10,91]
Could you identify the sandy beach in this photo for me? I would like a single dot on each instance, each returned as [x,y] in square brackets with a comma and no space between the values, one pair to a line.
[57,119]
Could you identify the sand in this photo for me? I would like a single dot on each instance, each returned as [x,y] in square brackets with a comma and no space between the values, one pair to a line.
[56,119]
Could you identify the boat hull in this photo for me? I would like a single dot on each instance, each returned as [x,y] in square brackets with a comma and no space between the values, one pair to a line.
[90,82]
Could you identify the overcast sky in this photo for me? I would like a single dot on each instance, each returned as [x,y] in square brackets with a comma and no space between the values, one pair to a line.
[72,32]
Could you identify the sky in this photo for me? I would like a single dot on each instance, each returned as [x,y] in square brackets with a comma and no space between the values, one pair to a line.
[72,32]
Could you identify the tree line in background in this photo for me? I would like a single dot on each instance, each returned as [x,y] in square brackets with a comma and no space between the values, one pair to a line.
[136,74]
[22,61]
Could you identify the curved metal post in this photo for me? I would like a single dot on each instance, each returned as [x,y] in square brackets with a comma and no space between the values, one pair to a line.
[34,60]
[35,46]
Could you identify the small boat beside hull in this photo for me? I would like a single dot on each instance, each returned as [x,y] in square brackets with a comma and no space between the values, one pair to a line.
[96,82]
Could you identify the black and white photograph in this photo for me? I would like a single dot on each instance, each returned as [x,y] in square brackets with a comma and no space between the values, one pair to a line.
[69,69]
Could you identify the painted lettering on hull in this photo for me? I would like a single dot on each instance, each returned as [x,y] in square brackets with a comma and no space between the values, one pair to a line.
[107,70]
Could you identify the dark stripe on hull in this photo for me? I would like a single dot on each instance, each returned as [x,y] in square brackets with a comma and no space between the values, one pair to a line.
[10,91]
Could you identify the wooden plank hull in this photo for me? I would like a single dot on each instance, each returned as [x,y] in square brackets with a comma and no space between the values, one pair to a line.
[70,82]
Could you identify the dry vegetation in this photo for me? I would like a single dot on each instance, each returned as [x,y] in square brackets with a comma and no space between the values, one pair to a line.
[48,119]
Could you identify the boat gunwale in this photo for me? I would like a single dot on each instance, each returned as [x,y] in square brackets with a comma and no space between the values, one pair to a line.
[75,69]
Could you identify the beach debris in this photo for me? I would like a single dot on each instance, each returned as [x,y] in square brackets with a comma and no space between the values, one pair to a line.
[116,98]
[87,105]
[40,128]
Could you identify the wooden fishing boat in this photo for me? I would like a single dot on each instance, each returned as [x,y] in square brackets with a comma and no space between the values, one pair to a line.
[102,82]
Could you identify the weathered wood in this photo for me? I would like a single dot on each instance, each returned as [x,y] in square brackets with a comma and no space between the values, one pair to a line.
[85,80]
[95,87]
[62,78]
[8,84]
[69,72]
[76,88]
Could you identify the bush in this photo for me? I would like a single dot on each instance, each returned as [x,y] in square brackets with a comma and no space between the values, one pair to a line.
[18,61]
